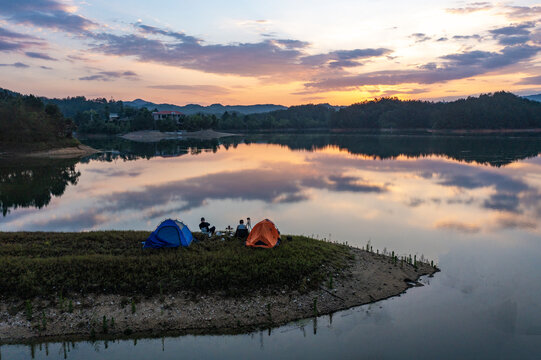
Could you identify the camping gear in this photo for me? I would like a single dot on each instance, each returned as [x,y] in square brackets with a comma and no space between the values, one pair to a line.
[264,235]
[170,233]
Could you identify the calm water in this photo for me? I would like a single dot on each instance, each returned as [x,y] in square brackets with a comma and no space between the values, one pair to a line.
[471,204]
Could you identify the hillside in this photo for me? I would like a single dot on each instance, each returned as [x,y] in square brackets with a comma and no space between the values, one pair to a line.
[534,97]
[215,109]
[26,123]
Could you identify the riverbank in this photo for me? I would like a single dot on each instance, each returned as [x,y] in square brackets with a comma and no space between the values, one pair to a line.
[154,135]
[225,288]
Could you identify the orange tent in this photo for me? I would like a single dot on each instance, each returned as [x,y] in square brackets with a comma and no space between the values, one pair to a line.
[264,234]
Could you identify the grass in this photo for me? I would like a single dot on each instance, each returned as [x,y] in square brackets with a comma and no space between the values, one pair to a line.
[31,146]
[113,262]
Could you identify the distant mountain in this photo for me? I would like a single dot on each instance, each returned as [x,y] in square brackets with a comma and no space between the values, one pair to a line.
[534,97]
[217,109]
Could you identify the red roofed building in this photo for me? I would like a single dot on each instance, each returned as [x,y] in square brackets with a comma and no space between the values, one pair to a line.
[163,115]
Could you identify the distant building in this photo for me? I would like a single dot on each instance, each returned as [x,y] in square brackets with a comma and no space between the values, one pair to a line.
[163,115]
[113,116]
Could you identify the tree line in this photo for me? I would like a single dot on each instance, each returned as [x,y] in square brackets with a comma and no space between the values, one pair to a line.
[27,121]
[500,110]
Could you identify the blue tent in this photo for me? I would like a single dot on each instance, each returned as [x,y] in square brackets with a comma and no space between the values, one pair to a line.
[170,233]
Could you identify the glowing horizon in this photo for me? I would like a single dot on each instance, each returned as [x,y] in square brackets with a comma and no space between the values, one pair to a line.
[260,53]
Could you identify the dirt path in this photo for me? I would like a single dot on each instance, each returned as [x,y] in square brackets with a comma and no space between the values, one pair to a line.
[369,277]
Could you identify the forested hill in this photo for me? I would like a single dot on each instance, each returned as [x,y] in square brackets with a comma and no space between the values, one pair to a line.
[26,122]
[501,110]
[28,118]
[214,109]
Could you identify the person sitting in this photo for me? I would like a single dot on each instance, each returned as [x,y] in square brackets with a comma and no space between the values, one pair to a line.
[205,227]
[242,230]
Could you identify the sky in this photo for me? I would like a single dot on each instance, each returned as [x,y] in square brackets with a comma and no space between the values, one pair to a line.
[282,52]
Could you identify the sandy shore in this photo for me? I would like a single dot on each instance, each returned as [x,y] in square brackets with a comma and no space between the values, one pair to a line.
[153,135]
[65,153]
[369,277]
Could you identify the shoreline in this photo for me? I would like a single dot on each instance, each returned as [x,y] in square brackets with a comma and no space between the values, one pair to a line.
[368,278]
[69,152]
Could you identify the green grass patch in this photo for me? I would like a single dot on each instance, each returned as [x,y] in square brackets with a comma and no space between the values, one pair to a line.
[113,262]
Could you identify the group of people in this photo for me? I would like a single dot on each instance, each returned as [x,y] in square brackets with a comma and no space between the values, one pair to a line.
[242,231]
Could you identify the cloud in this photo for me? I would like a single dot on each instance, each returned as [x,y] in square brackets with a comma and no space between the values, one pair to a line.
[17,65]
[480,179]
[9,46]
[174,34]
[532,80]
[513,40]
[344,58]
[414,202]
[194,89]
[514,222]
[111,75]
[523,12]
[455,66]
[247,59]
[471,8]
[345,183]
[12,41]
[467,37]
[83,220]
[461,227]
[503,202]
[390,93]
[507,189]
[269,57]
[520,29]
[420,37]
[77,58]
[38,55]
[5,33]
[293,44]
[514,34]
[50,14]
[282,184]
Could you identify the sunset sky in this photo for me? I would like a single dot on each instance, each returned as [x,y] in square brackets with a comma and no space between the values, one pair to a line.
[282,52]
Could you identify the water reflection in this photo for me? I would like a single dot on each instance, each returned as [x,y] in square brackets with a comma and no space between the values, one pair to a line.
[474,206]
[118,148]
[490,150]
[34,182]
[243,177]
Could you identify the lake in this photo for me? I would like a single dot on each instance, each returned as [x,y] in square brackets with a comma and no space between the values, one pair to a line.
[470,203]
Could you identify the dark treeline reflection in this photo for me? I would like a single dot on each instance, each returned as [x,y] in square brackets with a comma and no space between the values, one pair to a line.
[489,150]
[118,148]
[33,182]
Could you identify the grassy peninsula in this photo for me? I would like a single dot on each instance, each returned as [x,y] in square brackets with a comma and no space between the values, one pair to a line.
[100,284]
[113,262]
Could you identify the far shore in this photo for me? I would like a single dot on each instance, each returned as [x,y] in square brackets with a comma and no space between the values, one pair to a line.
[369,277]
[68,152]
[154,135]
